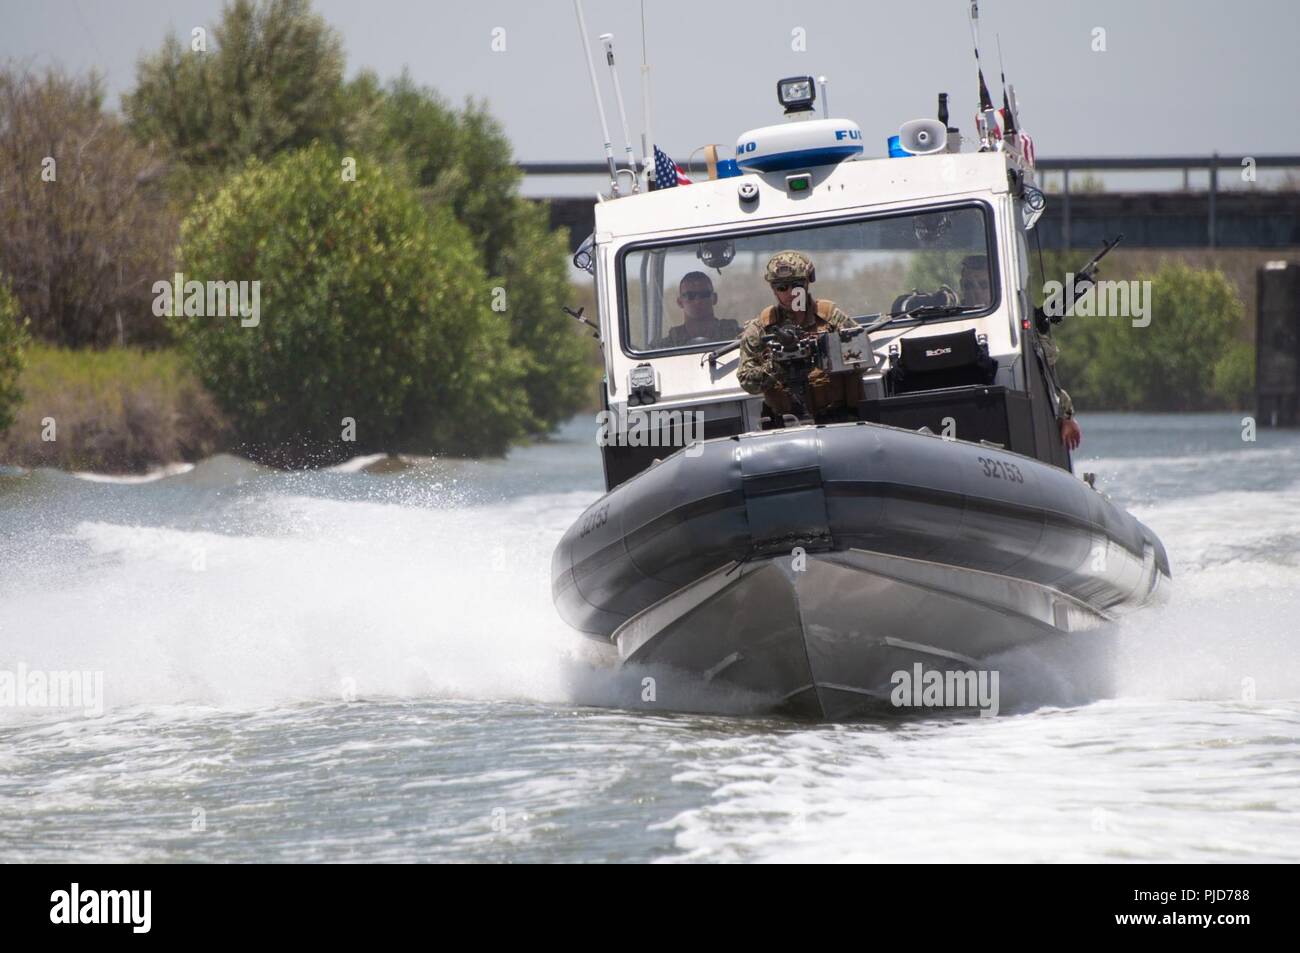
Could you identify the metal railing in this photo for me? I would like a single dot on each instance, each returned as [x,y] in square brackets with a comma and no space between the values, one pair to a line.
[1211,164]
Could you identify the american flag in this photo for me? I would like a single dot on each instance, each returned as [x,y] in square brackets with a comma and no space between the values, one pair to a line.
[667,172]
[1027,145]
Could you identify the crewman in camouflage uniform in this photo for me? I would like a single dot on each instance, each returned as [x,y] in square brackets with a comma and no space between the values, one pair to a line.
[697,299]
[789,273]
[1071,432]
[975,292]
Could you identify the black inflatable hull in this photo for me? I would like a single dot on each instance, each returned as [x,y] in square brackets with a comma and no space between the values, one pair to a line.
[808,565]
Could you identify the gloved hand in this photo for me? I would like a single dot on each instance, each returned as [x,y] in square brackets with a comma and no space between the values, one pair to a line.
[770,379]
[818,378]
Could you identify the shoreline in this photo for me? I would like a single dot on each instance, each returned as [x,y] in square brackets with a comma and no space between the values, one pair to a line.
[381,463]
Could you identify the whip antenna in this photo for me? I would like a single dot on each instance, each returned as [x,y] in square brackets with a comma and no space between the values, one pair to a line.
[634,164]
[984,120]
[647,136]
[595,89]
[1008,114]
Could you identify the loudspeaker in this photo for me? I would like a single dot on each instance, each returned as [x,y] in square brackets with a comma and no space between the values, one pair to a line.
[923,136]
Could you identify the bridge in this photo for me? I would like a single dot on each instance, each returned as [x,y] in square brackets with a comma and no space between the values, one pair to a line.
[1248,215]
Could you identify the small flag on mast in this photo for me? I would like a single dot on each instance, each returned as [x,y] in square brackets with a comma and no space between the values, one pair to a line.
[667,172]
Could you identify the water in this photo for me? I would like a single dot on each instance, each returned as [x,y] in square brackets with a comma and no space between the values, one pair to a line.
[358,666]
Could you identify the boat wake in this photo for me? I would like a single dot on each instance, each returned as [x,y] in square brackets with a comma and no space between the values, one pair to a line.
[298,598]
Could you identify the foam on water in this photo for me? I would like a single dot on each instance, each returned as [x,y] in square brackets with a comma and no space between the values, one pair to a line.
[1117,780]
[324,599]
[231,609]
[1184,747]
[296,597]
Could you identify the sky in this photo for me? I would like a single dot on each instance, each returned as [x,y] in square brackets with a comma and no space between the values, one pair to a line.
[1174,77]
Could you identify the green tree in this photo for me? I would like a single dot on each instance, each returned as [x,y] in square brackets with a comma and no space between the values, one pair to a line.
[372,308]
[270,80]
[458,158]
[273,81]
[1234,376]
[1169,365]
[461,160]
[555,354]
[12,340]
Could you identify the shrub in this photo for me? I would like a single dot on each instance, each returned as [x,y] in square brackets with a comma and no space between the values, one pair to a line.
[115,410]
[554,351]
[461,160]
[272,81]
[372,308]
[1191,356]
[12,339]
[85,228]
[1234,376]
[1168,365]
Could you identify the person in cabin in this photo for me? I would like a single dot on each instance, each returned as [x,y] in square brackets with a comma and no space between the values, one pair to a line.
[977,293]
[697,299]
[789,274]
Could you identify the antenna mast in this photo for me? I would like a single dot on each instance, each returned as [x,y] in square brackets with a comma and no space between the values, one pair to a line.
[986,118]
[647,136]
[1008,114]
[634,164]
[600,106]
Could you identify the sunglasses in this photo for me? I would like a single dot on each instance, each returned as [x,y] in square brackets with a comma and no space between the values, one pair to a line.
[787,285]
[696,295]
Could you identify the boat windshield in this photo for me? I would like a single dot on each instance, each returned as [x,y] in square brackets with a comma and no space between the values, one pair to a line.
[693,295]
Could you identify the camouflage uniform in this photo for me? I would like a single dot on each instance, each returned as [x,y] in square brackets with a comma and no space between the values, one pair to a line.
[1051,351]
[758,373]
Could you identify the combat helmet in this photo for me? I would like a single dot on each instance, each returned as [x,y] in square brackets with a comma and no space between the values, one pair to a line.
[789,266]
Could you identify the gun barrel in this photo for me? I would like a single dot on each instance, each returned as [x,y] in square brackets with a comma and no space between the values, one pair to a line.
[712,356]
[1106,248]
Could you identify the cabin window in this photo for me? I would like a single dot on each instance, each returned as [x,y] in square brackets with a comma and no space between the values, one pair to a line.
[691,295]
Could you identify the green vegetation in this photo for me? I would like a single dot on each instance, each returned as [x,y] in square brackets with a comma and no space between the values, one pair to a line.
[422,299]
[271,85]
[117,410]
[1190,357]
[1234,376]
[13,337]
[269,81]
[462,161]
[554,350]
[459,159]
[372,308]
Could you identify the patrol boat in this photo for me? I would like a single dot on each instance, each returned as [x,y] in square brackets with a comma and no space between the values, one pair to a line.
[807,563]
